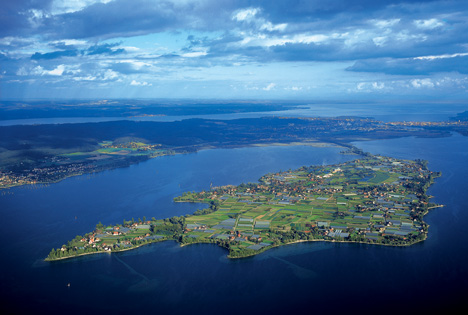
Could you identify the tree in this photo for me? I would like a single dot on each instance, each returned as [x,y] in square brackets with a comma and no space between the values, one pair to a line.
[52,254]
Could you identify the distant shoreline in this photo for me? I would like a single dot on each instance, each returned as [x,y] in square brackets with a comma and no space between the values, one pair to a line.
[318,144]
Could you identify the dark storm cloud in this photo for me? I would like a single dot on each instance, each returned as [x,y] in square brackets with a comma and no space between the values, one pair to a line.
[105,49]
[55,54]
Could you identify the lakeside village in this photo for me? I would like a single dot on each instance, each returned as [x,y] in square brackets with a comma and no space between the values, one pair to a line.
[55,168]
[375,199]
[367,124]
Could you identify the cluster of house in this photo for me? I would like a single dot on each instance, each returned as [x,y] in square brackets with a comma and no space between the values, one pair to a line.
[196,227]
[336,170]
[231,235]
[131,145]
[43,174]
[238,236]
[95,238]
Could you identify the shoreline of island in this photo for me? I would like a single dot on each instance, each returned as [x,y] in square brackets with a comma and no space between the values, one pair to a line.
[391,191]
[239,257]
[265,249]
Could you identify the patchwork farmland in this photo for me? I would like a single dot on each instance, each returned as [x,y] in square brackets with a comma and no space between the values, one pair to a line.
[376,200]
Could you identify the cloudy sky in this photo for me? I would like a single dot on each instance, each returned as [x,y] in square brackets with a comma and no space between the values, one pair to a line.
[292,49]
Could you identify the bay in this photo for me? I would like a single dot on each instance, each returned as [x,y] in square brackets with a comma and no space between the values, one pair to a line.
[35,219]
[167,278]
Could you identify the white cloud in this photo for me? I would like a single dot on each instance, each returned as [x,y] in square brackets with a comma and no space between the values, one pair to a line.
[441,56]
[269,87]
[194,54]
[359,37]
[293,88]
[378,85]
[110,75]
[130,48]
[361,86]
[70,6]
[268,26]
[41,71]
[57,71]
[250,17]
[245,14]
[428,24]
[265,41]
[136,64]
[380,41]
[136,83]
[371,86]
[71,42]
[36,16]
[22,71]
[385,23]
[381,33]
[88,78]
[11,40]
[307,39]
[405,36]
[422,83]
[36,71]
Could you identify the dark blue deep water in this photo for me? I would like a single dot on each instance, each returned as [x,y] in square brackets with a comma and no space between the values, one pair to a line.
[199,279]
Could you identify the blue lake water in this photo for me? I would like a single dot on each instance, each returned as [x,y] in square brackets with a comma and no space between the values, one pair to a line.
[388,111]
[167,278]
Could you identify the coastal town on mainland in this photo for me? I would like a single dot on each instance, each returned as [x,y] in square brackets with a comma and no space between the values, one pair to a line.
[55,168]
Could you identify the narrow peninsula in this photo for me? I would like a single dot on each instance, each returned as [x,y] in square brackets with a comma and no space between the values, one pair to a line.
[373,199]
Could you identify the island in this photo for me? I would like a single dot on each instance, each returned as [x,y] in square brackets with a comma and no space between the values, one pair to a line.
[373,199]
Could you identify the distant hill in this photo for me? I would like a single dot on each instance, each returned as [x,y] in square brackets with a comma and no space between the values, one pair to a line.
[461,116]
